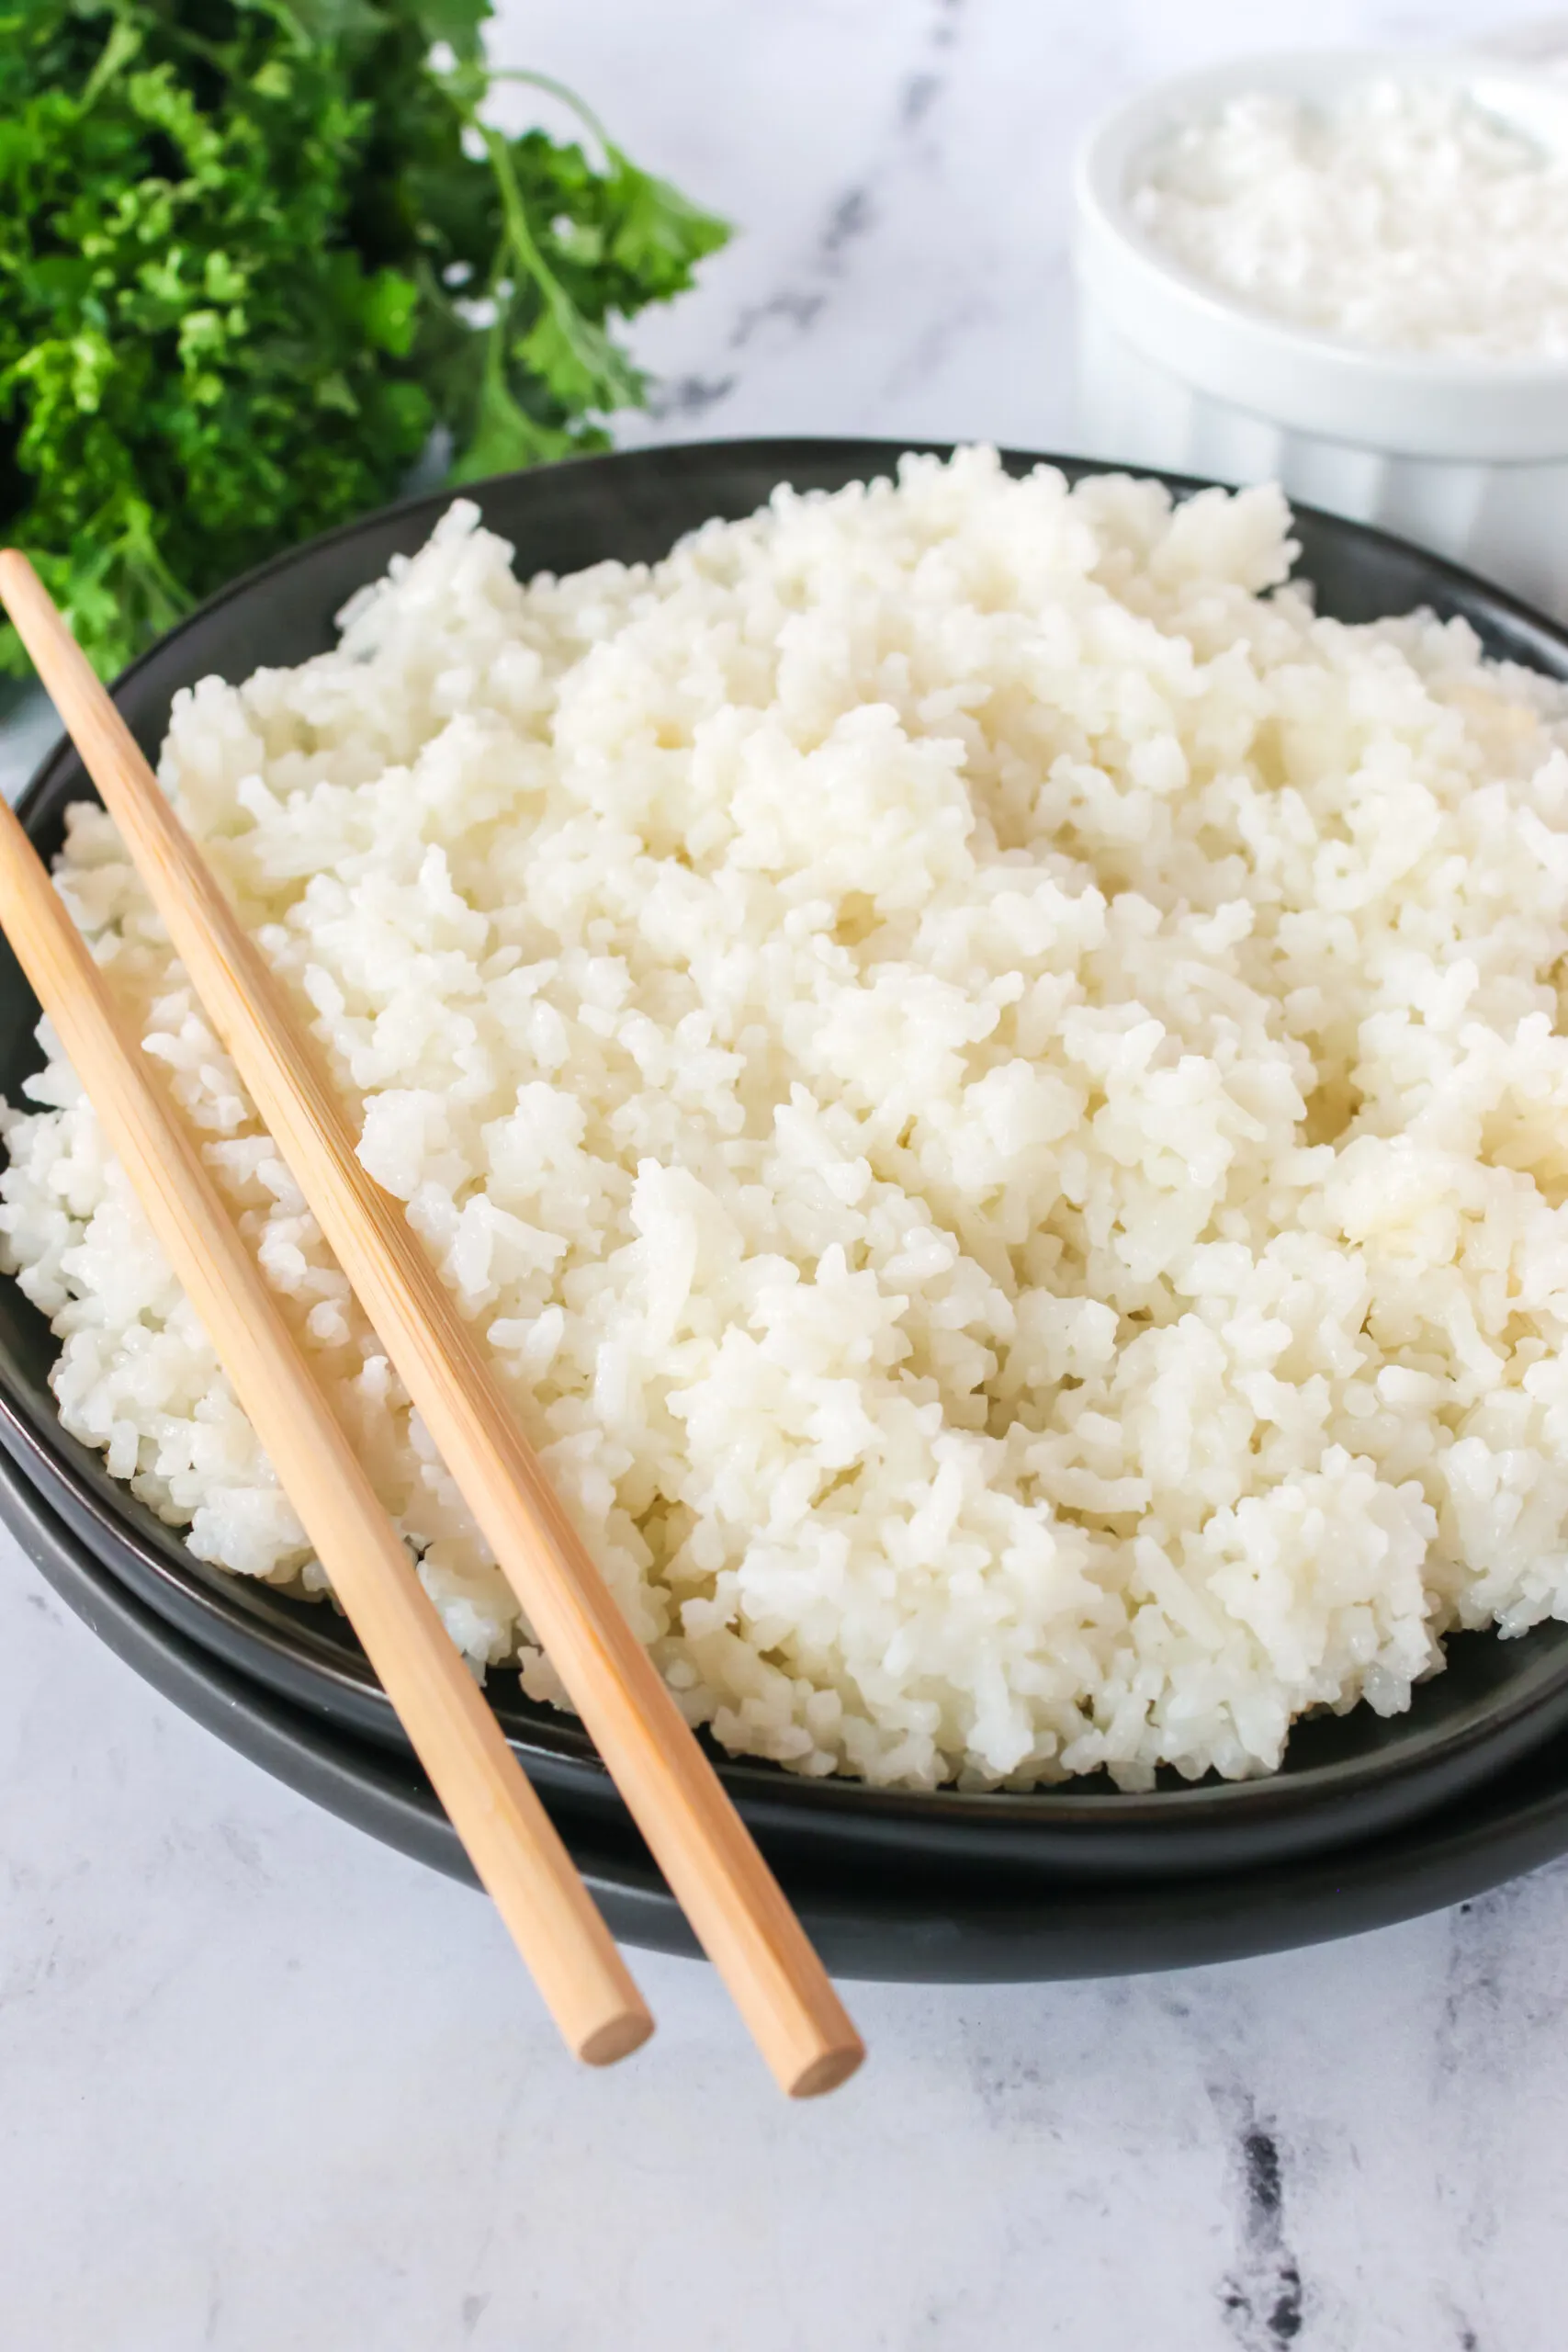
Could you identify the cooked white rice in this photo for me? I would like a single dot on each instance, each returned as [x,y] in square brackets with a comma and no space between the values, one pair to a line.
[989,1083]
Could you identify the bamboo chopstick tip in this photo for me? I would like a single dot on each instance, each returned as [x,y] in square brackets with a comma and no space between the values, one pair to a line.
[826,2073]
[705,1851]
[616,2038]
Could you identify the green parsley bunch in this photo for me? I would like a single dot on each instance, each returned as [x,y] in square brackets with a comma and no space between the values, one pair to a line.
[254,252]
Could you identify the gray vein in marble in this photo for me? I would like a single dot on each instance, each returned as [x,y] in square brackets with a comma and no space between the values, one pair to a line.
[917,98]
[683,399]
[949,14]
[1473,1993]
[1486,2006]
[855,211]
[931,346]
[1261,2296]
[852,218]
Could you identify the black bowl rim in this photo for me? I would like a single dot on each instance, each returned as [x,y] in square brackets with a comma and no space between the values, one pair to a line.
[888,1927]
[163,1571]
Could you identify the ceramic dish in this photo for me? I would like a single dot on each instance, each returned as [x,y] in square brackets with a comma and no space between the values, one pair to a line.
[1355,1776]
[1469,456]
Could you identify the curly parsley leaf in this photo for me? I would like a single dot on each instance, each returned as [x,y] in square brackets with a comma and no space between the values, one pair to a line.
[252,252]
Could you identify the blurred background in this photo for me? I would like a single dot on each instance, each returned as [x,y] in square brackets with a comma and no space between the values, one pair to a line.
[898,181]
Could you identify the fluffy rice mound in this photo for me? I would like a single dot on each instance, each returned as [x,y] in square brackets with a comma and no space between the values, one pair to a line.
[990,1084]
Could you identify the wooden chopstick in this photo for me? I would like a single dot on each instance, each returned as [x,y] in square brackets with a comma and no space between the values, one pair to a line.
[507,1833]
[730,1896]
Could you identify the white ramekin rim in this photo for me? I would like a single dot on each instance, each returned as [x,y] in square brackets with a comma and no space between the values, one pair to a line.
[1418,404]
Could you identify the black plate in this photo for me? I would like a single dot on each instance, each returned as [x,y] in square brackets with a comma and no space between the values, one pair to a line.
[886,1918]
[1349,1777]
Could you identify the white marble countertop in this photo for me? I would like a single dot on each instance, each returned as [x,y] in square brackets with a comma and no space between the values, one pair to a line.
[267,2088]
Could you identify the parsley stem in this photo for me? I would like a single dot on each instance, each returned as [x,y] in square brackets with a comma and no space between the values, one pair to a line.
[566,96]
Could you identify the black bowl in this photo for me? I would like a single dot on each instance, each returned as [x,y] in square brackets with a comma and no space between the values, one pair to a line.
[1345,1778]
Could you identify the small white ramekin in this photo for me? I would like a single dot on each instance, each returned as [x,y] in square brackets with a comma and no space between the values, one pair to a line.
[1469,457]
